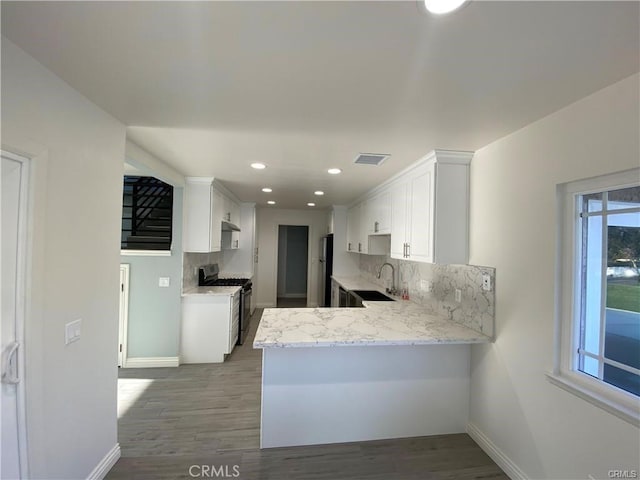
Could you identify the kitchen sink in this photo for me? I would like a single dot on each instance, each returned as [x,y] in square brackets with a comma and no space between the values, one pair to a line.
[372,296]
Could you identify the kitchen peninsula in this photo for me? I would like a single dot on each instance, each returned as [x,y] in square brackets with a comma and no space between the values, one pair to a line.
[388,370]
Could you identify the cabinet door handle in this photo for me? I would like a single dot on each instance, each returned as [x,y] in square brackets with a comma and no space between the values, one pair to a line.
[404,251]
[349,246]
[10,364]
[408,250]
[376,227]
[359,247]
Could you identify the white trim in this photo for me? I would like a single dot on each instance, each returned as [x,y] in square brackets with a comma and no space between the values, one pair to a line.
[565,372]
[619,403]
[145,253]
[23,263]
[502,460]
[152,362]
[123,324]
[106,464]
[626,178]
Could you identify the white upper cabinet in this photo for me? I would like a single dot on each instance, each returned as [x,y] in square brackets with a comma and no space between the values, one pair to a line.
[202,212]
[358,238]
[353,228]
[205,208]
[231,211]
[430,210]
[217,214]
[399,215]
[378,214]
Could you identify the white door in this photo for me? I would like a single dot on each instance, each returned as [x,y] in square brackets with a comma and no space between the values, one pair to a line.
[124,314]
[12,457]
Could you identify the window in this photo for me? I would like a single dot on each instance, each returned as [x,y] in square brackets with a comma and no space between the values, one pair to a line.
[147,216]
[598,331]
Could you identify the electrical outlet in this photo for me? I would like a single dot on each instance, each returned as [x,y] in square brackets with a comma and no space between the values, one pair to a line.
[426,286]
[164,281]
[458,295]
[486,282]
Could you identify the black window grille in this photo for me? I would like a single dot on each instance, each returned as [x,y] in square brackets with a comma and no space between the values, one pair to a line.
[147,214]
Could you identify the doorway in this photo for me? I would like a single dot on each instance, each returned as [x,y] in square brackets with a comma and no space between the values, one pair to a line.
[293,259]
[15,174]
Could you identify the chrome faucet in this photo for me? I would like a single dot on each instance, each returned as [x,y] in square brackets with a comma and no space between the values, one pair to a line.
[393,290]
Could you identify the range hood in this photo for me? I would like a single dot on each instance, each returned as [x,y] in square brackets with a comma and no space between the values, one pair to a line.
[229,227]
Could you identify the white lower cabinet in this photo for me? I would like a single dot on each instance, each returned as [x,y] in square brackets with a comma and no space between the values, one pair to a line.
[210,327]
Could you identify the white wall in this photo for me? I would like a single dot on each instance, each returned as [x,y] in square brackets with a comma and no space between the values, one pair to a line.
[155,312]
[149,165]
[268,220]
[78,153]
[547,432]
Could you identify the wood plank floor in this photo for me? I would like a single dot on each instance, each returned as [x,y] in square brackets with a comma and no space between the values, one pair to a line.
[204,421]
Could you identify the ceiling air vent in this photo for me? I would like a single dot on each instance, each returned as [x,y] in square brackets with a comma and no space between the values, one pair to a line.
[371,158]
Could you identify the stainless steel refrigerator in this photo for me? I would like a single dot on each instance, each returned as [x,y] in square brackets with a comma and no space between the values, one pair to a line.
[326,268]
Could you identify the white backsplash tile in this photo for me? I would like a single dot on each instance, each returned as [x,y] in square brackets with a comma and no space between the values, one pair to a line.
[477,308]
[190,264]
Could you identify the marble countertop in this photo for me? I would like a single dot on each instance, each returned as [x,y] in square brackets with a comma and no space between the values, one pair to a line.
[379,323]
[211,291]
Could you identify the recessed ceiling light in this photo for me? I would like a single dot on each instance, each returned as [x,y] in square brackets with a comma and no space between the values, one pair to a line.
[311,204]
[439,7]
[271,202]
[334,171]
[267,190]
[318,192]
[258,166]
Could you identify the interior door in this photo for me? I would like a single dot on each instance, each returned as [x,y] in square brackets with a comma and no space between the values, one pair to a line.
[13,211]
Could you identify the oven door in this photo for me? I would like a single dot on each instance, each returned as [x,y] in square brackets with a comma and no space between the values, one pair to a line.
[245,314]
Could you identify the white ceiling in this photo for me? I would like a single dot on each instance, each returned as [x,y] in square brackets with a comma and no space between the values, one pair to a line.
[210,87]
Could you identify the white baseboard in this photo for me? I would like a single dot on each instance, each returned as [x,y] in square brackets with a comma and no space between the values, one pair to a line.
[105,464]
[497,455]
[151,362]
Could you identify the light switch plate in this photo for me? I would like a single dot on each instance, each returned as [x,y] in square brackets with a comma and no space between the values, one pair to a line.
[164,281]
[458,295]
[72,331]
